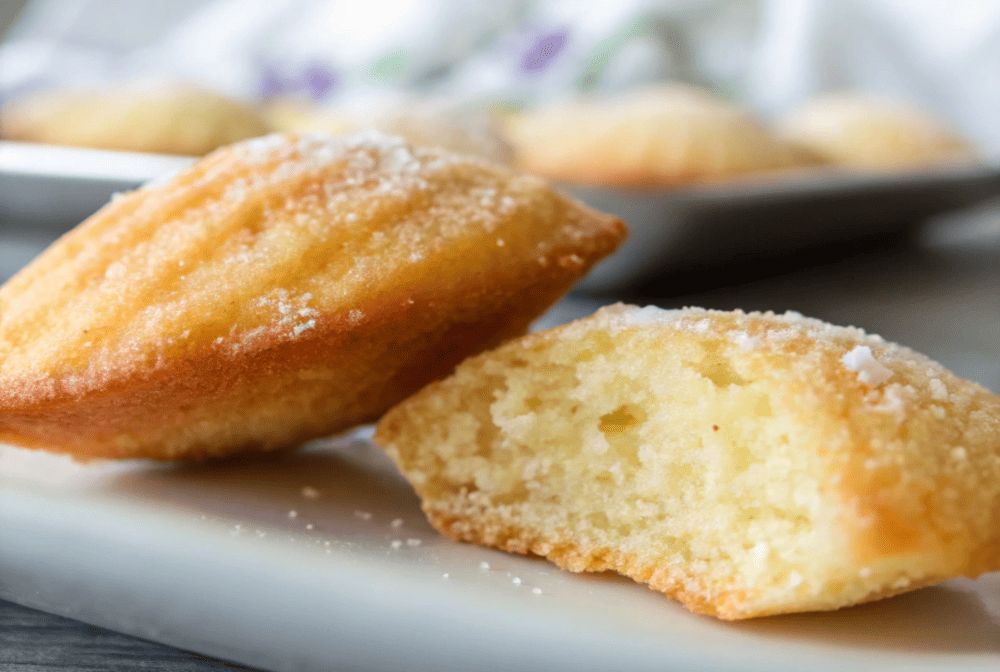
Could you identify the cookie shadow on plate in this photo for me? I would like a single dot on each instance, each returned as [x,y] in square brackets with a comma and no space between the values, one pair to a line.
[341,486]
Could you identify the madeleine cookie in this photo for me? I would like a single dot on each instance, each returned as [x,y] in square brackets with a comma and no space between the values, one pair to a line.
[853,130]
[744,464]
[302,117]
[280,289]
[434,123]
[159,119]
[660,136]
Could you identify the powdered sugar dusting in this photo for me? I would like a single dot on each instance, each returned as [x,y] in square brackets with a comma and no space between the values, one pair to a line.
[758,331]
[293,314]
[265,218]
[893,399]
[870,371]
[649,315]
[939,391]
[745,340]
[303,326]
[387,164]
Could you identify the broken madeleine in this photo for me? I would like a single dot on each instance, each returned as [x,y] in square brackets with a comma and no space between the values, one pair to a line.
[281,289]
[744,464]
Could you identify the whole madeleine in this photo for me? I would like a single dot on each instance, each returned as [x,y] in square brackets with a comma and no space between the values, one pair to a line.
[280,289]
[868,132]
[164,118]
[663,135]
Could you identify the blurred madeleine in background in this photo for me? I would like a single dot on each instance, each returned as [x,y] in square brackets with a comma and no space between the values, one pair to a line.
[139,117]
[511,55]
[871,132]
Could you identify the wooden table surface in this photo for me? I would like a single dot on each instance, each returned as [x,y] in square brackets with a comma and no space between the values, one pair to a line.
[940,296]
[33,641]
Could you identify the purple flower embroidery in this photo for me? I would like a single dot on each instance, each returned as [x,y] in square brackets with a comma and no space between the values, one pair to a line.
[272,82]
[319,80]
[544,50]
[316,80]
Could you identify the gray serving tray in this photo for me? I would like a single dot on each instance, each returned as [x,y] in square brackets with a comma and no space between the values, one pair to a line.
[707,227]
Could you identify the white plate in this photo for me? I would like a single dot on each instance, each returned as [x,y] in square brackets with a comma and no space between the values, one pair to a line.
[208,559]
[58,187]
[704,226]
[708,227]
[211,559]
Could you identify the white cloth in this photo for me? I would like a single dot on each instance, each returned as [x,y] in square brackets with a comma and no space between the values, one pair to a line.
[943,55]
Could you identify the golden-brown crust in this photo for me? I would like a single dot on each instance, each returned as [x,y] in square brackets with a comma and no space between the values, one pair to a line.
[279,290]
[567,554]
[905,454]
[684,586]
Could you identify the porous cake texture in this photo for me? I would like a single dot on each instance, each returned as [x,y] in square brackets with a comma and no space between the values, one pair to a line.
[744,464]
[281,289]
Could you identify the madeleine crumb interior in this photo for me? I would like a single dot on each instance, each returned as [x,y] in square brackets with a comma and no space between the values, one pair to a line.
[744,464]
